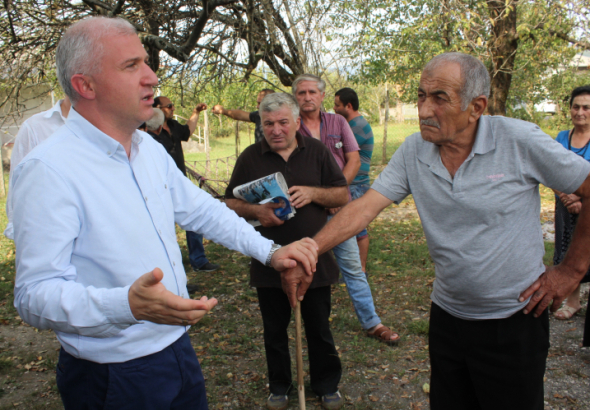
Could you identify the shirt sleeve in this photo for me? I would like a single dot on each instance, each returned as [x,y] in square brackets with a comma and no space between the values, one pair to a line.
[255,117]
[25,141]
[349,143]
[393,182]
[197,211]
[183,131]
[550,164]
[47,294]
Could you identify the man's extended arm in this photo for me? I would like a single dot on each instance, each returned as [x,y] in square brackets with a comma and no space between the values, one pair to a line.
[263,213]
[238,115]
[352,219]
[192,121]
[558,282]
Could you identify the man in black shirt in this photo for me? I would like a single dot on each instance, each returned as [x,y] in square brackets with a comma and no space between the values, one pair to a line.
[315,183]
[171,136]
[240,115]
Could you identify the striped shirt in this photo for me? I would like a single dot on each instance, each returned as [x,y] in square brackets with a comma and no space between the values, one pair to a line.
[364,137]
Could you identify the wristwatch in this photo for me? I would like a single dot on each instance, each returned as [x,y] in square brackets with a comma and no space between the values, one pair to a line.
[273,248]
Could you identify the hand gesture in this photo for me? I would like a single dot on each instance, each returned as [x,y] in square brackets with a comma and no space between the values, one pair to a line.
[555,284]
[150,300]
[217,109]
[295,283]
[200,107]
[300,195]
[575,207]
[266,215]
[304,251]
[568,199]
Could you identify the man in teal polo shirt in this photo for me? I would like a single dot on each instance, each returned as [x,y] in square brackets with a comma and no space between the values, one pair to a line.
[475,181]
[346,103]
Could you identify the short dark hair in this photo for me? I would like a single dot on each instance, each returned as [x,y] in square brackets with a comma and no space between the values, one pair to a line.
[266,91]
[157,101]
[585,89]
[348,96]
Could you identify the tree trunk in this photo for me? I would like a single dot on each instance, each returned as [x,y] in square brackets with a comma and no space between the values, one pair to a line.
[503,45]
[384,159]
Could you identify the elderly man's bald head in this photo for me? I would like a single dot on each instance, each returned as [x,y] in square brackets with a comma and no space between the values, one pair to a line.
[80,50]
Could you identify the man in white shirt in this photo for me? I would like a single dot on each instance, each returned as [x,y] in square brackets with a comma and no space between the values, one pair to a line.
[97,259]
[33,132]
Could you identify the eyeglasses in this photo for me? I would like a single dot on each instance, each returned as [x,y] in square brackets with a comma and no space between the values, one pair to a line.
[167,106]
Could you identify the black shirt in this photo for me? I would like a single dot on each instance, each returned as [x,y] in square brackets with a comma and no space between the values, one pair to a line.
[258,133]
[311,164]
[172,143]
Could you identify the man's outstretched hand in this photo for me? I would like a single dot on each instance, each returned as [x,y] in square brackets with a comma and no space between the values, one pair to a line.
[150,300]
[304,251]
[555,284]
[295,283]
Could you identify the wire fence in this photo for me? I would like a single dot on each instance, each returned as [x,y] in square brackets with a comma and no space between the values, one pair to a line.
[212,175]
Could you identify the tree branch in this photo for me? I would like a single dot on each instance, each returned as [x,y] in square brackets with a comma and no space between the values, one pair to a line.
[118,8]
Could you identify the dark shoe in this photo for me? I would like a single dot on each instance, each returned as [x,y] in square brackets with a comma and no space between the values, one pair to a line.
[192,288]
[277,402]
[332,401]
[208,267]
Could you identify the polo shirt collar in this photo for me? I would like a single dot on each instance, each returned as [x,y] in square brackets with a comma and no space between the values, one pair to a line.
[300,143]
[84,130]
[485,142]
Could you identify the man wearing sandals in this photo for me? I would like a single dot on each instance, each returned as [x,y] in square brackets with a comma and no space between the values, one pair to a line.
[335,133]
[475,180]
[97,258]
[315,182]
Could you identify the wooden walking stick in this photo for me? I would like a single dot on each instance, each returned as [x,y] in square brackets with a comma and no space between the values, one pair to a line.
[299,349]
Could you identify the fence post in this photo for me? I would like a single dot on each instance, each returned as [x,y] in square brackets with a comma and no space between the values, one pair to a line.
[237,139]
[386,119]
[206,132]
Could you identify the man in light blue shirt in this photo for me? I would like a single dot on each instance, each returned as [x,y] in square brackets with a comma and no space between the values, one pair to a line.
[97,258]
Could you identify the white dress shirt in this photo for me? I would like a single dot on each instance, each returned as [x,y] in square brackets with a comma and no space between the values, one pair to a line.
[32,132]
[90,221]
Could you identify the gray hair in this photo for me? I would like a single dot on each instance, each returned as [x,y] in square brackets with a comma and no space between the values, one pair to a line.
[309,77]
[157,120]
[475,77]
[276,101]
[80,50]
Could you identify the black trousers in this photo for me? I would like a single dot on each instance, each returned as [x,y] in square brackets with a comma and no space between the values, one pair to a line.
[487,364]
[324,363]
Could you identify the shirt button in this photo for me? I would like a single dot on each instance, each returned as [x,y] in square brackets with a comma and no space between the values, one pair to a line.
[108,152]
[165,186]
[160,232]
[145,197]
[173,263]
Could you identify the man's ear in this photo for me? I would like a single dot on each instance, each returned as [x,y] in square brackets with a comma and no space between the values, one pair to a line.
[84,86]
[479,105]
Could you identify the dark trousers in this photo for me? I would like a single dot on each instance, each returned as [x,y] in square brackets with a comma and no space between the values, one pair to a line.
[196,251]
[487,364]
[324,364]
[170,379]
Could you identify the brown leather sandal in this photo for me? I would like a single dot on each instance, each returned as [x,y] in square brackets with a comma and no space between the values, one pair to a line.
[383,334]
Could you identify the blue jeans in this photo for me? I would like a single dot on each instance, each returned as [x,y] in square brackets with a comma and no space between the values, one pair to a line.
[356,191]
[349,261]
[196,251]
